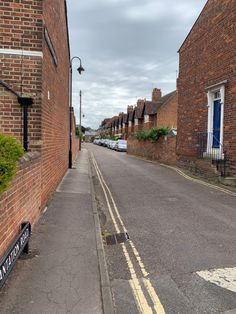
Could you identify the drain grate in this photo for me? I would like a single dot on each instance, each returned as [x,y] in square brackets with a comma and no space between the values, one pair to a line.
[116,238]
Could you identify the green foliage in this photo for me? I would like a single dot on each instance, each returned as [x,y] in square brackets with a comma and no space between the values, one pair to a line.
[10,152]
[142,135]
[152,135]
[77,131]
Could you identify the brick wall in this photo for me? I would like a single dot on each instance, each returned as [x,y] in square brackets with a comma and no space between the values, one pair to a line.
[207,57]
[22,201]
[167,114]
[22,25]
[164,150]
[21,29]
[55,102]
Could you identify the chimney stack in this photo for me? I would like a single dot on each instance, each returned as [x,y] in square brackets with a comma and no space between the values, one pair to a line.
[156,95]
[140,103]
[130,108]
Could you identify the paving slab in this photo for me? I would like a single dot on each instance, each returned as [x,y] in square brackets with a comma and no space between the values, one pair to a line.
[62,272]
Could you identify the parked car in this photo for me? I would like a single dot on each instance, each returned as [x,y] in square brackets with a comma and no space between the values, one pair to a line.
[102,141]
[96,141]
[112,144]
[106,142]
[121,146]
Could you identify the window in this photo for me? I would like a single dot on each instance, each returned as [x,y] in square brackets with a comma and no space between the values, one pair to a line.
[146,118]
[217,95]
[135,121]
[50,46]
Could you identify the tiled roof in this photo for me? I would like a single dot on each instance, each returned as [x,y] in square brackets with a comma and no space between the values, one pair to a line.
[121,118]
[139,111]
[125,118]
[131,115]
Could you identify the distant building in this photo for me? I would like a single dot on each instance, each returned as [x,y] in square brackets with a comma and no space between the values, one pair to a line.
[90,135]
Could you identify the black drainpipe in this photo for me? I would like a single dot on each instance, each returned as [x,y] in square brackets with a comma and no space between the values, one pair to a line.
[25,102]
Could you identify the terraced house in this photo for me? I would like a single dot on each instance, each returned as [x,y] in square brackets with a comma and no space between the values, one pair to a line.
[207,92]
[161,111]
[34,104]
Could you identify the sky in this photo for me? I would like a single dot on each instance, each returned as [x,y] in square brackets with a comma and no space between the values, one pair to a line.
[127,48]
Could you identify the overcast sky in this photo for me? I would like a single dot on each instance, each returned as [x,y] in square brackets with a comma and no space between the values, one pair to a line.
[127,48]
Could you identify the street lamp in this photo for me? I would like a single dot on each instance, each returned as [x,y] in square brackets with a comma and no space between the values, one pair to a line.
[80,106]
[80,70]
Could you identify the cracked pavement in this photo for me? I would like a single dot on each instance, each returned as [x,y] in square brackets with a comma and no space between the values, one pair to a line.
[63,275]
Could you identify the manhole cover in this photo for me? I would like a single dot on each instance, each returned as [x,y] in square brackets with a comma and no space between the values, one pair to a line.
[116,238]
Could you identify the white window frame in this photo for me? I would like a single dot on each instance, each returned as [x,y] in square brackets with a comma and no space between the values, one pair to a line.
[123,125]
[146,118]
[135,121]
[220,87]
[130,123]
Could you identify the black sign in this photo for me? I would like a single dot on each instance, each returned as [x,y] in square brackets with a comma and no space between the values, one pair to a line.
[19,245]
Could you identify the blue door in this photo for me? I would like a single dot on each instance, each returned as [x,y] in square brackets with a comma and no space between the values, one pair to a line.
[216,124]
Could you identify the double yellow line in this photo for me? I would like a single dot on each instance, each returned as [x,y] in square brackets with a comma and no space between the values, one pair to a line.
[215,187]
[139,295]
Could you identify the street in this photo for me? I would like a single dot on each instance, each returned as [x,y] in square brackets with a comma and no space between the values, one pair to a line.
[179,253]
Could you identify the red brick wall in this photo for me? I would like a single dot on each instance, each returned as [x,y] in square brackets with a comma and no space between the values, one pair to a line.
[167,115]
[21,25]
[148,125]
[164,150]
[55,100]
[21,29]
[22,201]
[131,129]
[207,57]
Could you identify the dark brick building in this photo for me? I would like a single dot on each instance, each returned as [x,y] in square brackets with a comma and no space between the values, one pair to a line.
[207,87]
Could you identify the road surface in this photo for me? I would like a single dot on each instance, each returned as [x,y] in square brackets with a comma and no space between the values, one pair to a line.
[181,253]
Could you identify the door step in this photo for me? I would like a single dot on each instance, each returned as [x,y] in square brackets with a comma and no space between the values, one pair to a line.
[231,181]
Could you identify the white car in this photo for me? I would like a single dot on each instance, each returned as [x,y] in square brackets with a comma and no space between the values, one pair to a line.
[121,146]
[112,144]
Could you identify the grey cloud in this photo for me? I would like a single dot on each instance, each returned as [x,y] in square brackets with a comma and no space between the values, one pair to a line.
[127,48]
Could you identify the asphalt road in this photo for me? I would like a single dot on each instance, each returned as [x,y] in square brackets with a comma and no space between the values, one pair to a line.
[181,256]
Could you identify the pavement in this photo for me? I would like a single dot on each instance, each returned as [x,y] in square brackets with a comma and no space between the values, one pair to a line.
[65,271]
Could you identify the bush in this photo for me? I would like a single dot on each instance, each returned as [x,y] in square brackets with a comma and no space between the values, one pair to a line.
[10,152]
[142,135]
[152,135]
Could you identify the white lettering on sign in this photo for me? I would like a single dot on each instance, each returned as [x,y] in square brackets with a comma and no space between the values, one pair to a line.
[7,262]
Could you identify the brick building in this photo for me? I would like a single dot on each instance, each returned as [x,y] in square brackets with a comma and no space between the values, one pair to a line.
[167,111]
[161,111]
[207,88]
[139,115]
[34,64]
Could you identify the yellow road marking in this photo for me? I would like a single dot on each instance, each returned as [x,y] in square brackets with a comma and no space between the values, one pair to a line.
[188,177]
[151,291]
[199,181]
[139,296]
